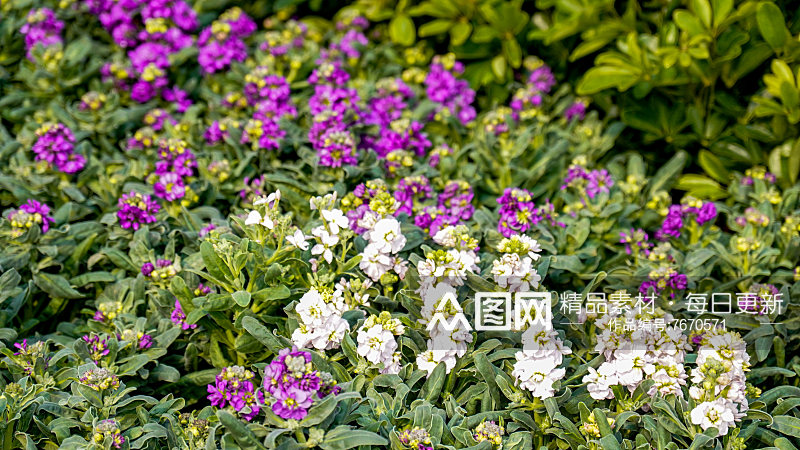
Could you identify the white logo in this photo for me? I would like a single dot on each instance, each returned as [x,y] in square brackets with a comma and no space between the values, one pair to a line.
[458,317]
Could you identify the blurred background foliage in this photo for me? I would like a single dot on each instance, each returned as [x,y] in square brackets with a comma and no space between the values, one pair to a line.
[717,78]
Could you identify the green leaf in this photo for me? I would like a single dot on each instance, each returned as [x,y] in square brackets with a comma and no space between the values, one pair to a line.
[460,32]
[702,10]
[238,430]
[402,31]
[787,425]
[93,277]
[435,27]
[713,166]
[242,298]
[599,78]
[260,332]
[433,385]
[772,24]
[342,438]
[55,285]
[667,173]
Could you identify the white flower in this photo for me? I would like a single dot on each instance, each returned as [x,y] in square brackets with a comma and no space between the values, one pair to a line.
[533,247]
[376,344]
[375,263]
[335,219]
[327,241]
[400,267]
[254,218]
[600,381]
[331,333]
[312,308]
[324,202]
[537,374]
[429,359]
[273,197]
[392,365]
[718,414]
[368,220]
[298,239]
[386,236]
[515,273]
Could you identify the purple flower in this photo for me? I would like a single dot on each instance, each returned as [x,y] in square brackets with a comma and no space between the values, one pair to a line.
[336,148]
[707,212]
[516,211]
[575,110]
[292,403]
[136,210]
[599,181]
[542,79]
[293,383]
[170,187]
[178,317]
[672,224]
[97,347]
[28,214]
[42,28]
[56,145]
[453,96]
[147,269]
[234,386]
[145,342]
[222,42]
[636,241]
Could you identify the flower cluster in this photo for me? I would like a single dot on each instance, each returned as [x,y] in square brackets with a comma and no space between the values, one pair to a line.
[42,28]
[98,347]
[223,42]
[761,299]
[293,385]
[56,145]
[490,431]
[517,212]
[107,311]
[537,367]
[29,214]
[151,32]
[385,240]
[234,386]
[719,381]
[108,429]
[100,379]
[441,273]
[416,439]
[587,183]
[453,96]
[136,210]
[664,280]
[269,95]
[195,430]
[162,270]
[335,113]
[513,270]
[636,242]
[321,322]
[634,352]
[143,341]
[178,317]
[176,164]
[376,342]
[27,354]
[702,212]
[526,101]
